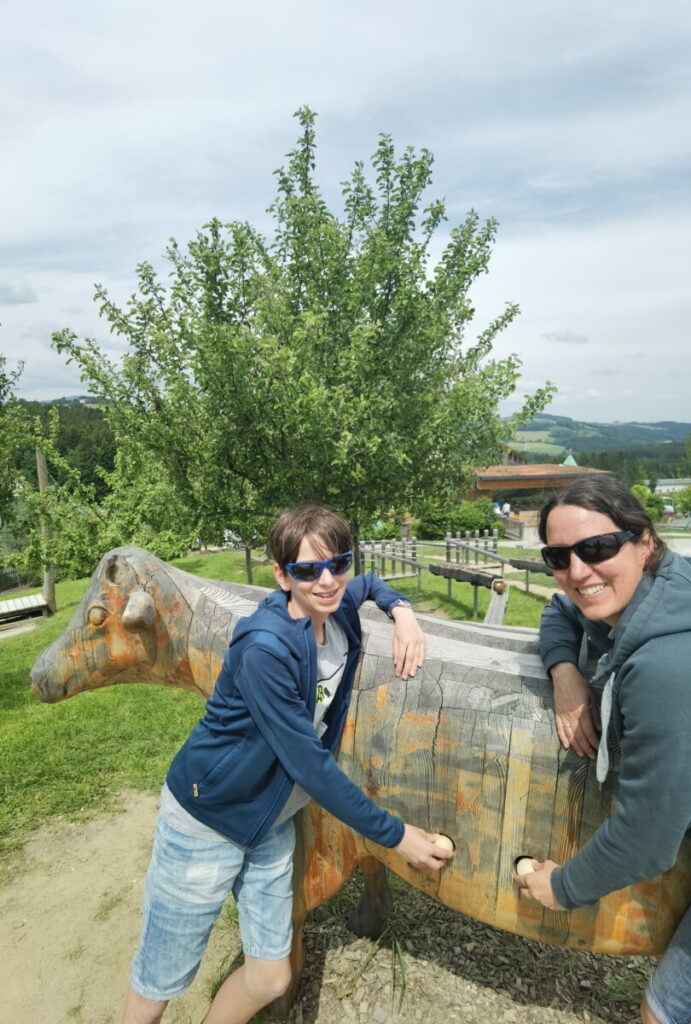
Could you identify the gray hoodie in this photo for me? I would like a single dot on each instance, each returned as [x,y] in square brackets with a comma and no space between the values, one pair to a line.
[647,664]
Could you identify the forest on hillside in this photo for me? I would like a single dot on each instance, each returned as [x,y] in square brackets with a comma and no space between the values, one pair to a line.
[84,439]
[86,442]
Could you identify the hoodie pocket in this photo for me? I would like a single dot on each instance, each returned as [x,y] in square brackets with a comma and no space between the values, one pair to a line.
[224,774]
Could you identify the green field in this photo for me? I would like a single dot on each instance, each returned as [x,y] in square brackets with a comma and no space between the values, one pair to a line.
[73,759]
[555,451]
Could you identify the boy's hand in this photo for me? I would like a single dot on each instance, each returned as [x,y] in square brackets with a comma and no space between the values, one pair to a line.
[408,642]
[417,847]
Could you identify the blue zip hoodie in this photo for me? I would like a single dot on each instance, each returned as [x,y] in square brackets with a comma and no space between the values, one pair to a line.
[648,655]
[237,768]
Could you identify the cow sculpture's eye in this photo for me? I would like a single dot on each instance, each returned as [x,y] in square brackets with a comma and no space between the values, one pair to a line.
[97,615]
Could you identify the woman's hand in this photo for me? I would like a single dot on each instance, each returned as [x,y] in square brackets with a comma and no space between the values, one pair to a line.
[417,848]
[578,724]
[537,884]
[408,642]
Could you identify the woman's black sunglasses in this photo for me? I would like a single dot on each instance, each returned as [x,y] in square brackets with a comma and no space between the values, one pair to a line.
[308,572]
[591,550]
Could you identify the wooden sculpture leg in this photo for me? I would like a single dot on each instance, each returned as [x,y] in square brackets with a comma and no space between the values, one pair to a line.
[369,919]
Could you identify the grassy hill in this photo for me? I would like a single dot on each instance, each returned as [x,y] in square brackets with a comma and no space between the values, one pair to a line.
[550,436]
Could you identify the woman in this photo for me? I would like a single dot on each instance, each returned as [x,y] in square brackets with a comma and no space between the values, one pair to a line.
[629,598]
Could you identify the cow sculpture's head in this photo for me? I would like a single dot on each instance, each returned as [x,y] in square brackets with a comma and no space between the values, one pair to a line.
[131,626]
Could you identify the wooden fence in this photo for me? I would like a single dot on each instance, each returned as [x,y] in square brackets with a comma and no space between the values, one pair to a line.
[402,559]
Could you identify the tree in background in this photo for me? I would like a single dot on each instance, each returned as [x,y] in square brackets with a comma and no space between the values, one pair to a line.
[12,434]
[652,503]
[682,500]
[437,519]
[63,524]
[329,363]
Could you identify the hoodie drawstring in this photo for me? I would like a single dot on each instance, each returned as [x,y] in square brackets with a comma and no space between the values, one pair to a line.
[602,764]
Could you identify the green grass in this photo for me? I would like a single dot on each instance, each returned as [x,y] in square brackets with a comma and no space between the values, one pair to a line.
[73,759]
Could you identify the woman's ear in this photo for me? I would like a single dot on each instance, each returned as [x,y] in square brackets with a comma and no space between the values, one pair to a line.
[646,546]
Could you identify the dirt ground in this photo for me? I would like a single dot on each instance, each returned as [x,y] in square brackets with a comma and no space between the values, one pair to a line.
[69,925]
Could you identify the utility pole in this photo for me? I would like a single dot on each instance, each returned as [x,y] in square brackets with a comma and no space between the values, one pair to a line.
[48,570]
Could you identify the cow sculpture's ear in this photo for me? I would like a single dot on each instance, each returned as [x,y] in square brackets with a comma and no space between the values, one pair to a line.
[117,570]
[139,612]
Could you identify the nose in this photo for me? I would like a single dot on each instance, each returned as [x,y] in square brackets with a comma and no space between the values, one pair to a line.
[577,569]
[325,571]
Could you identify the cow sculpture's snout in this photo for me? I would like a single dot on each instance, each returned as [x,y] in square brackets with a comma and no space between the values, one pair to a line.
[43,683]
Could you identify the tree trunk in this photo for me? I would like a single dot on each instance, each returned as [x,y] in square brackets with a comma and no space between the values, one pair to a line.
[357,559]
[46,532]
[248,564]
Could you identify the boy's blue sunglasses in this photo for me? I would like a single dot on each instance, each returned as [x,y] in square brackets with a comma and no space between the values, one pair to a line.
[307,572]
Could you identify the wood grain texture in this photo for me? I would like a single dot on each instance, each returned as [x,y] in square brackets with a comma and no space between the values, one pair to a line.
[468,747]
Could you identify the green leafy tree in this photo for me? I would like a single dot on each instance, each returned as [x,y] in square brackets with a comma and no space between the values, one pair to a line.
[652,503]
[683,501]
[328,363]
[67,508]
[13,427]
[439,518]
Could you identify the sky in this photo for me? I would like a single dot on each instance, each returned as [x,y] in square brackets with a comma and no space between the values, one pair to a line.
[127,123]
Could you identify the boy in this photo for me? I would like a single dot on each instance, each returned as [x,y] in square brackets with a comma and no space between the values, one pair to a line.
[262,749]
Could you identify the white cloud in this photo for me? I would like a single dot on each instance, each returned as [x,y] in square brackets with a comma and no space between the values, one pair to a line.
[126,123]
[16,294]
[568,337]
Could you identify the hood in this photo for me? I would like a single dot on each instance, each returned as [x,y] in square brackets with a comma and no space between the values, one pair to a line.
[272,616]
[660,607]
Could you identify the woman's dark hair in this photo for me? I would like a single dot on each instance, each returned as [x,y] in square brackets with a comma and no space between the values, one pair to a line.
[606,495]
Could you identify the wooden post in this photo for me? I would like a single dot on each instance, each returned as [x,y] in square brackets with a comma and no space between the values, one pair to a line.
[46,533]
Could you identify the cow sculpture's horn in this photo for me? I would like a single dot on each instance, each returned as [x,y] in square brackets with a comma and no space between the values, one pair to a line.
[139,612]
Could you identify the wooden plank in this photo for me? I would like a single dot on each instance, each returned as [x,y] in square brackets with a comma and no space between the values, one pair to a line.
[21,607]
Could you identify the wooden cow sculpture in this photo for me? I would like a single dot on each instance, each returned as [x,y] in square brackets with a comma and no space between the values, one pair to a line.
[468,747]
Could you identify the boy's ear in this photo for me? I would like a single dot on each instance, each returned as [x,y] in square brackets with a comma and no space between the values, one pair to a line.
[281,577]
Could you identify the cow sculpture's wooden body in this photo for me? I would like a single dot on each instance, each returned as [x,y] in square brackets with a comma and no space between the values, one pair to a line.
[468,747]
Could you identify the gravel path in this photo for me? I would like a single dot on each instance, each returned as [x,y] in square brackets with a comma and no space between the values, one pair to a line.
[69,922]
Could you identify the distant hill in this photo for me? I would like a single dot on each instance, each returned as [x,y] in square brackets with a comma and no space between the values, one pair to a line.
[552,436]
[72,399]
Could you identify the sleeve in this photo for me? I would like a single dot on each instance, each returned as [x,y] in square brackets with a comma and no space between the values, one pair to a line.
[561,632]
[368,587]
[272,695]
[642,836]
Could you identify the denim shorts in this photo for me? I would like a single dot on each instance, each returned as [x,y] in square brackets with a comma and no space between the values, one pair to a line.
[669,990]
[187,884]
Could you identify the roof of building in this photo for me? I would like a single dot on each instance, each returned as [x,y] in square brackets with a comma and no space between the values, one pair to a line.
[537,471]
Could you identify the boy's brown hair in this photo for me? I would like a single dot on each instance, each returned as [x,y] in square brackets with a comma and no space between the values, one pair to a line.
[293,525]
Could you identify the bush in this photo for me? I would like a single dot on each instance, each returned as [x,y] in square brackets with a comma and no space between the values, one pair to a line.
[682,501]
[652,503]
[436,519]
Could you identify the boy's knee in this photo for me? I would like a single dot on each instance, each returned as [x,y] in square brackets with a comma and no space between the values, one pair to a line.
[267,980]
[647,1015]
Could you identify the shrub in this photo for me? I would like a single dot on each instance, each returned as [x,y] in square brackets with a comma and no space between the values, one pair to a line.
[437,519]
